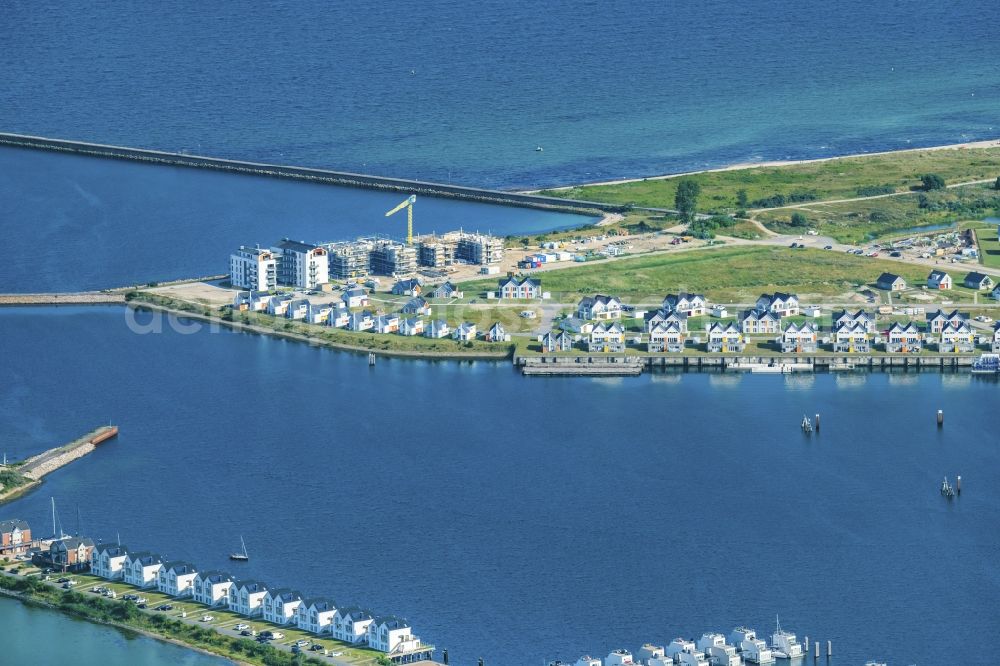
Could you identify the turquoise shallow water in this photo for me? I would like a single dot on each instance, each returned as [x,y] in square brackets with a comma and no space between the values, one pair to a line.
[526,518]
[33,635]
[443,90]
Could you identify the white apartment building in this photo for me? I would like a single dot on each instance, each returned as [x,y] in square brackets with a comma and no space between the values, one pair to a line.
[253,268]
[302,265]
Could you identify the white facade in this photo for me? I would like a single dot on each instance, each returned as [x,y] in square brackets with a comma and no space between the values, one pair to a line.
[211,588]
[280,606]
[247,597]
[253,268]
[316,616]
[351,625]
[301,264]
[392,636]
[108,561]
[176,579]
[142,569]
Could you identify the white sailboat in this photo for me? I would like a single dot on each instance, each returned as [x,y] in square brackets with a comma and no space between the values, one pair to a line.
[242,556]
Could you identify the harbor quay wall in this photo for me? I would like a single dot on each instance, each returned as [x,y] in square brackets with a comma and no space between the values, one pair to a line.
[343,178]
[628,365]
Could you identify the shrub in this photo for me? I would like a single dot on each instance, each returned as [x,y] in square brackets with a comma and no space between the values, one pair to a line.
[932,181]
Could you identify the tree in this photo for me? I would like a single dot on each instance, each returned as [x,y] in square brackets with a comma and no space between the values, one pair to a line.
[932,181]
[799,220]
[686,199]
[996,185]
[741,197]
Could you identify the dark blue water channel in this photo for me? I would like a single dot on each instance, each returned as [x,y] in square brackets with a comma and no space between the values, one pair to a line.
[520,519]
[72,222]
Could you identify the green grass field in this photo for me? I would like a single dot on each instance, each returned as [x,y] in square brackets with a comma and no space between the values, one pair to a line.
[728,274]
[989,246]
[860,221]
[833,179]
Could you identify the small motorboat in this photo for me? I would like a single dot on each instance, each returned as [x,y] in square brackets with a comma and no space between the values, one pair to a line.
[807,426]
[538,149]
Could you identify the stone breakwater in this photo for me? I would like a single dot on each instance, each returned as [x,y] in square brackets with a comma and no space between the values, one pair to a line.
[343,178]
[44,463]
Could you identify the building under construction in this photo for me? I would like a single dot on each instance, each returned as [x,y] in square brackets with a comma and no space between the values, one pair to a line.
[479,249]
[391,258]
[350,259]
[439,251]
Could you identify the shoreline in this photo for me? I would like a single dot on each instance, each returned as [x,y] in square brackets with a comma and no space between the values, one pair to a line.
[318,342]
[739,166]
[31,600]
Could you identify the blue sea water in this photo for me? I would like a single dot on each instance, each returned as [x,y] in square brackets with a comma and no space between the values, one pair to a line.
[519,519]
[72,222]
[450,91]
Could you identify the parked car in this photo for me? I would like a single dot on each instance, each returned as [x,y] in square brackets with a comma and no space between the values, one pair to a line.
[302,643]
[828,247]
[63,580]
[207,618]
[241,626]
[316,647]
[277,635]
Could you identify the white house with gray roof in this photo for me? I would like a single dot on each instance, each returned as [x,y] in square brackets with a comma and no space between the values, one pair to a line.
[607,338]
[211,588]
[690,305]
[799,339]
[176,578]
[351,625]
[465,331]
[392,635]
[724,338]
[142,569]
[411,326]
[666,337]
[851,338]
[315,615]
[599,307]
[958,338]
[246,597]
[107,560]
[903,338]
[779,303]
[280,606]
[437,329]
[864,319]
[556,341]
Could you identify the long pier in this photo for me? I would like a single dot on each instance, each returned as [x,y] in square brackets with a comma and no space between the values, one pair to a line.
[632,365]
[343,178]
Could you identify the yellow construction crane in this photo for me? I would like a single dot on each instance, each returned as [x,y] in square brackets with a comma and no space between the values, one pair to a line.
[408,204]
